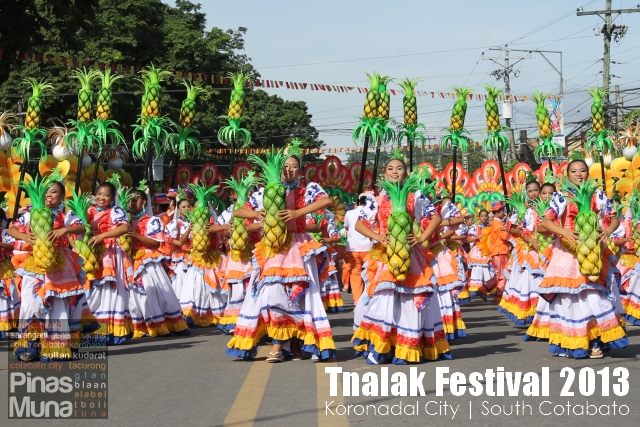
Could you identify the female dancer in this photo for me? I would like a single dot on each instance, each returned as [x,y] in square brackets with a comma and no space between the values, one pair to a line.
[519,300]
[398,320]
[241,245]
[583,321]
[53,303]
[480,265]
[178,241]
[327,235]
[201,297]
[155,310]
[449,269]
[109,297]
[284,301]
[539,328]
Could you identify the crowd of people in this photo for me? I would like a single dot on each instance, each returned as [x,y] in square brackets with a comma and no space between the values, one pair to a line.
[176,276]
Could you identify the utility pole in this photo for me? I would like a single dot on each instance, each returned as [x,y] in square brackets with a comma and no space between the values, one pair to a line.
[505,75]
[609,30]
[618,115]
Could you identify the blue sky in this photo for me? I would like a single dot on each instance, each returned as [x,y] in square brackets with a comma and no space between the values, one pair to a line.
[335,42]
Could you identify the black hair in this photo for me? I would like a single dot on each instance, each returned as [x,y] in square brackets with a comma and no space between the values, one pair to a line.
[532,182]
[548,184]
[483,210]
[183,200]
[575,161]
[140,193]
[60,186]
[362,201]
[298,159]
[110,186]
[400,160]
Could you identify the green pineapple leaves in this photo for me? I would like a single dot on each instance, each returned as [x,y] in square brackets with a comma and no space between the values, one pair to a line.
[272,168]
[398,193]
[243,187]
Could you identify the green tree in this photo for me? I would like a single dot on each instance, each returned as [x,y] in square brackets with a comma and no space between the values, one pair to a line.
[139,32]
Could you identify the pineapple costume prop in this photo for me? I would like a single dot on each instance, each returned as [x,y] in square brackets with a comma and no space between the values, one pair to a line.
[188,108]
[546,148]
[45,258]
[634,205]
[105,94]
[123,199]
[200,217]
[276,237]
[410,127]
[91,257]
[543,240]
[588,249]
[239,239]
[399,226]
[85,94]
[599,139]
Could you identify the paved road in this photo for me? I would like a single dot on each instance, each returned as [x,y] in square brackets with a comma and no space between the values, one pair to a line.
[189,381]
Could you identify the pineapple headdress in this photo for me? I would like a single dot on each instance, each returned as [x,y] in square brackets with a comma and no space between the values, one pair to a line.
[294,149]
[396,154]
[424,175]
[530,177]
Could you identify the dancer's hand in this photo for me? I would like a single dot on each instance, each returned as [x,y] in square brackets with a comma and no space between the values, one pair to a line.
[95,240]
[412,240]
[30,238]
[54,235]
[258,215]
[571,236]
[383,239]
[288,214]
[604,234]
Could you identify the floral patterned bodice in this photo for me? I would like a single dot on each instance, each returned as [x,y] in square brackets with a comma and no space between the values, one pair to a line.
[176,229]
[149,226]
[60,220]
[106,220]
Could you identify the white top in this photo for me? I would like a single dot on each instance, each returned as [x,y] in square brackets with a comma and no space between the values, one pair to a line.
[356,242]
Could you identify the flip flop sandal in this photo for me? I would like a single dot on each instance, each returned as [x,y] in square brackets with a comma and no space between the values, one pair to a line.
[596,353]
[275,358]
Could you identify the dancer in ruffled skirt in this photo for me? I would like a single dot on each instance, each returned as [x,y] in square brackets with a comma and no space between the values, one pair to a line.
[53,308]
[630,263]
[398,319]
[109,297]
[155,310]
[283,298]
[584,321]
[479,264]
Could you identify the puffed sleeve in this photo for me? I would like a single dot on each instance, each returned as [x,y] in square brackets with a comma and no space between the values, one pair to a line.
[71,219]
[449,210]
[310,219]
[332,228]
[423,207]
[255,200]
[619,233]
[473,231]
[171,231]
[6,238]
[603,206]
[225,216]
[118,216]
[154,229]
[462,230]
[557,206]
[369,211]
[313,192]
